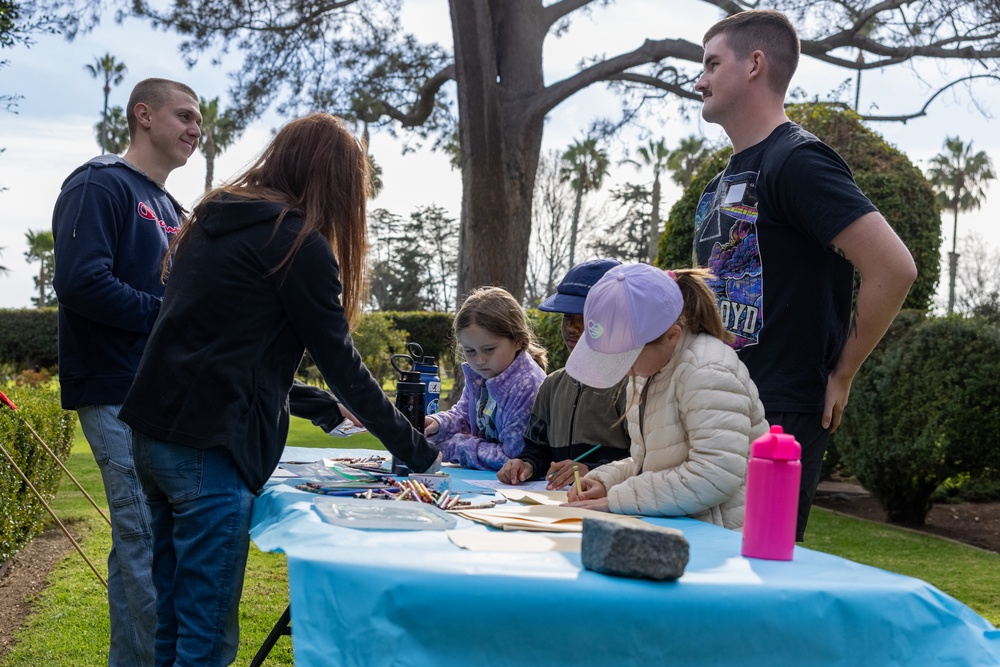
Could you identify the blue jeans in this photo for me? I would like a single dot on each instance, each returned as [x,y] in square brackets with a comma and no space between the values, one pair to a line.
[201,511]
[131,594]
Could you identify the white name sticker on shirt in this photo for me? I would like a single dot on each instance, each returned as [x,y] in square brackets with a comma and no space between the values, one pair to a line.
[735,193]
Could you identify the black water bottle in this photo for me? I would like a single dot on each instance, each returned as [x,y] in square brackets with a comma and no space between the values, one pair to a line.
[410,401]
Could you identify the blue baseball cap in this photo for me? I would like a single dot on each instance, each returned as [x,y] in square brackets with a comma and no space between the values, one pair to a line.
[572,291]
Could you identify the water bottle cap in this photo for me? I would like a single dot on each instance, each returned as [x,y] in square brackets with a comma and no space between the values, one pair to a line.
[426,365]
[776,445]
[410,384]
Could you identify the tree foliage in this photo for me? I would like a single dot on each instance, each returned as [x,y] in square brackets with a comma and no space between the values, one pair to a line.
[626,236]
[112,131]
[978,289]
[413,261]
[113,72]
[355,58]
[654,155]
[551,211]
[890,180]
[41,249]
[960,178]
[584,165]
[218,132]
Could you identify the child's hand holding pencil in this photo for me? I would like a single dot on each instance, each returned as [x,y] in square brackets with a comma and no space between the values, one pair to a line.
[561,473]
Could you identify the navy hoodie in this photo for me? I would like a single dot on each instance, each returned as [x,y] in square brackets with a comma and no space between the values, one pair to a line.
[112,226]
[231,332]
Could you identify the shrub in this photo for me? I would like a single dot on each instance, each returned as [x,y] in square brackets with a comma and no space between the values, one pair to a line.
[890,180]
[981,488]
[924,409]
[548,331]
[23,515]
[29,338]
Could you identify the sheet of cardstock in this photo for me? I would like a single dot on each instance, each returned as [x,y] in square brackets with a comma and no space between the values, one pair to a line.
[478,540]
[535,497]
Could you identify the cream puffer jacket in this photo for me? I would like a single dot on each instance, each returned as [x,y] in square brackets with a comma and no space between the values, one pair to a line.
[689,456]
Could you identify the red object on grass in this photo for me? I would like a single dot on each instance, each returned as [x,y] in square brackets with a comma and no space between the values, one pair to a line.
[6,401]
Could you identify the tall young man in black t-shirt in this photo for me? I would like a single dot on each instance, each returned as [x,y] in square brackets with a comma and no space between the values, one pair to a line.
[783,229]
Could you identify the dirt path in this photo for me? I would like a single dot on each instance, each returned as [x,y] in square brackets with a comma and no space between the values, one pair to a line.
[24,577]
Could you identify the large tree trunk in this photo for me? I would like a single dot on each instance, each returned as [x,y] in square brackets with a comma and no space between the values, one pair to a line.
[498,62]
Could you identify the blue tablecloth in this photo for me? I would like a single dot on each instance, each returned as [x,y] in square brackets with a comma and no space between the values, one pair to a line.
[412,598]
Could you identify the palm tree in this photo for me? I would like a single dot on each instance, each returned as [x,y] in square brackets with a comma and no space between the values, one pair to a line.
[584,165]
[218,132]
[41,248]
[960,177]
[653,155]
[686,158]
[3,269]
[112,133]
[113,73]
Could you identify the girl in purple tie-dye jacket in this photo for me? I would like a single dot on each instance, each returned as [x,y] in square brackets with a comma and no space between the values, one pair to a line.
[503,368]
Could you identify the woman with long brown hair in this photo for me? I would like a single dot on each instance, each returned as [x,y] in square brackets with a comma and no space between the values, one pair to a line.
[268,266]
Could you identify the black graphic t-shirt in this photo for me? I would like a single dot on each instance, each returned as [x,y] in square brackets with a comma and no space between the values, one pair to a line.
[764,227]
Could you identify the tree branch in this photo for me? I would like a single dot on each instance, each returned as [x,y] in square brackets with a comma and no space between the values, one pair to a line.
[557,10]
[821,48]
[651,51]
[654,82]
[923,110]
[424,106]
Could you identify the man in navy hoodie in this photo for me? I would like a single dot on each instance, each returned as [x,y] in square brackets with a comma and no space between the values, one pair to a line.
[112,223]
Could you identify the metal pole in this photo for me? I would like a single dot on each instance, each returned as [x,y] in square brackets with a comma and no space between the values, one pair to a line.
[64,468]
[52,514]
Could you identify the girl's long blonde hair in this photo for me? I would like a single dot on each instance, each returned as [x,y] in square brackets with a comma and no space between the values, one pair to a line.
[701,310]
[498,313]
[313,165]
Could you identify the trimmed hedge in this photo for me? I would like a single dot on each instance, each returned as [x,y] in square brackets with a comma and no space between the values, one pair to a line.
[891,181]
[925,408]
[23,516]
[29,338]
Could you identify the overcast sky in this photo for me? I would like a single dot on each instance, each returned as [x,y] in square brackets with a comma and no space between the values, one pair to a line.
[52,132]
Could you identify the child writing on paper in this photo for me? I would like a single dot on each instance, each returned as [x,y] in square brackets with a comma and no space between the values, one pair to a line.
[571,421]
[693,409]
[503,368]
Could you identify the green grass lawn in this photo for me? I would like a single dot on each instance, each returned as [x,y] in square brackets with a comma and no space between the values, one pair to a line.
[69,626]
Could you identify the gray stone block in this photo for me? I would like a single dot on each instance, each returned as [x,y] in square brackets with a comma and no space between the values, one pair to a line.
[633,549]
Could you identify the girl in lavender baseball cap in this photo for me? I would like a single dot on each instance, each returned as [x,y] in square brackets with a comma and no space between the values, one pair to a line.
[692,408]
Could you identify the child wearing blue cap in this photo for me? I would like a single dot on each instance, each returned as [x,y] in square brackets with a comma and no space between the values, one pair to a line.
[692,407]
[571,420]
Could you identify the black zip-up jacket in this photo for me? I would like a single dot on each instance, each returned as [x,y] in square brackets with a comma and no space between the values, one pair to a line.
[222,355]
[569,418]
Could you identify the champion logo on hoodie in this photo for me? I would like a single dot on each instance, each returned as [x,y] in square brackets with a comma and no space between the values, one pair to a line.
[146,212]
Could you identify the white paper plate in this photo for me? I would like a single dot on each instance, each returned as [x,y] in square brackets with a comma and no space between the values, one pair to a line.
[382,514]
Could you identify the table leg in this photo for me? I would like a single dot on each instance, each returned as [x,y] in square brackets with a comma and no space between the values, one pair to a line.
[282,627]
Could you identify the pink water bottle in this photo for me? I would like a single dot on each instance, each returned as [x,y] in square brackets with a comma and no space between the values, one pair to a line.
[772,500]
